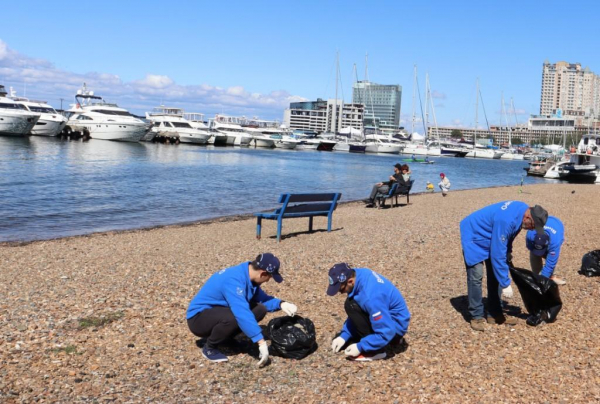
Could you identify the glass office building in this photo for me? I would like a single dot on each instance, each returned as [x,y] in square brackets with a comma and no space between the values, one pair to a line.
[382,104]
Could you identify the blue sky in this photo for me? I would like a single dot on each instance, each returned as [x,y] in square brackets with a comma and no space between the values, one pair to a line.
[254,57]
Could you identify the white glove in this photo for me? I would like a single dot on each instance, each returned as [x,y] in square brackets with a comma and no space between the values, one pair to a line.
[352,350]
[289,308]
[337,344]
[507,292]
[263,355]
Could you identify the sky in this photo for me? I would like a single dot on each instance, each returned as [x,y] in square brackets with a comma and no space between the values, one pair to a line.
[253,58]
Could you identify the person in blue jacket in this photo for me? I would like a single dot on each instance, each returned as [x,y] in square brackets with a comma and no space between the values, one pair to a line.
[231,300]
[487,236]
[377,313]
[546,246]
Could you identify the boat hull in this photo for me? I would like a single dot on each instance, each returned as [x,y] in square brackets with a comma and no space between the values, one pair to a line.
[115,132]
[17,125]
[48,127]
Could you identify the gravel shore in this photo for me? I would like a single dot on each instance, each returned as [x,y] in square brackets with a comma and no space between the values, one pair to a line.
[101,318]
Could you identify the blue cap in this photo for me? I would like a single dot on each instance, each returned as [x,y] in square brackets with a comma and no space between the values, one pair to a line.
[269,263]
[540,244]
[338,274]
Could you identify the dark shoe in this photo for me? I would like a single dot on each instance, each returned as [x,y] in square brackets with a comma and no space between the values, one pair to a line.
[370,205]
[369,356]
[502,319]
[368,201]
[213,354]
[478,324]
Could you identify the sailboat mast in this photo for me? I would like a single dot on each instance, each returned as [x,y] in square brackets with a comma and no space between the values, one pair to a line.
[426,106]
[476,120]
[412,129]
[337,66]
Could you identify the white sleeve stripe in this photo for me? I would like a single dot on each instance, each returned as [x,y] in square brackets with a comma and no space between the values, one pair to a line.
[376,314]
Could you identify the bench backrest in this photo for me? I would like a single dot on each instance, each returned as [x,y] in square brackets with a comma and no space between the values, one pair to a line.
[405,191]
[308,203]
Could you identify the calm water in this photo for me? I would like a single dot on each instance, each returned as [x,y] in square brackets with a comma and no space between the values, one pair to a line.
[51,188]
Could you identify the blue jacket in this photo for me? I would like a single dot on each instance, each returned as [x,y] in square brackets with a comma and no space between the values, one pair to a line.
[555,229]
[489,233]
[231,287]
[386,308]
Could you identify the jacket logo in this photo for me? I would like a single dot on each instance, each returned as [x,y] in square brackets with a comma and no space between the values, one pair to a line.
[240,291]
[377,316]
[505,206]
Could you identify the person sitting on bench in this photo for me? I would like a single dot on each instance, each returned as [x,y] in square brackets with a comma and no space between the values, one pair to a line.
[384,187]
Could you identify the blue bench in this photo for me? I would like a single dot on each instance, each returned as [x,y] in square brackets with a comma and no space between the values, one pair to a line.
[394,192]
[301,205]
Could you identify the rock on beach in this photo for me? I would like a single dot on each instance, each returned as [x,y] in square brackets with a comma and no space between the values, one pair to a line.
[101,318]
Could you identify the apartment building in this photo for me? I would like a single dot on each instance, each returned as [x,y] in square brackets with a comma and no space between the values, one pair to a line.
[318,115]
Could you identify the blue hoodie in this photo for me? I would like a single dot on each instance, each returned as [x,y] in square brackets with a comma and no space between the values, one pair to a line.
[231,287]
[489,233]
[386,308]
[556,231]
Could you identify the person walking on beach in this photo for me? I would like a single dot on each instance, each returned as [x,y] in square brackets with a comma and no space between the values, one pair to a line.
[487,236]
[444,184]
[384,187]
[546,246]
[232,299]
[377,313]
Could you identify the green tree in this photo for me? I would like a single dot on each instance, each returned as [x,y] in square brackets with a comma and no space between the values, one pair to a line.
[456,133]
[517,140]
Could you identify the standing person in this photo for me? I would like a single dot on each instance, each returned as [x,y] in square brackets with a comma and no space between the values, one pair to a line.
[232,299]
[487,236]
[444,184]
[377,313]
[546,246]
[384,187]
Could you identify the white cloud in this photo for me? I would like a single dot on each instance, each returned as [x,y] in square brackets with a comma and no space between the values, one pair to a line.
[44,80]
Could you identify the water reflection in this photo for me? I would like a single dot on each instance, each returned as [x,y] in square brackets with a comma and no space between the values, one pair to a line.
[51,187]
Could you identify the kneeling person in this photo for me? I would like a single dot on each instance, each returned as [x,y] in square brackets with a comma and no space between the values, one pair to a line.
[377,313]
[231,300]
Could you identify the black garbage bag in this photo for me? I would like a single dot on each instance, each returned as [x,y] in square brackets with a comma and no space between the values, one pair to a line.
[540,296]
[292,337]
[590,264]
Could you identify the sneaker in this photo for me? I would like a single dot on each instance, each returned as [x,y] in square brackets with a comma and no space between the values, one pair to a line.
[558,280]
[213,354]
[478,324]
[502,319]
[368,357]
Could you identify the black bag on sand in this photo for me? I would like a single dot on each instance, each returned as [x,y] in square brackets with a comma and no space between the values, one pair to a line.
[590,264]
[540,296]
[292,337]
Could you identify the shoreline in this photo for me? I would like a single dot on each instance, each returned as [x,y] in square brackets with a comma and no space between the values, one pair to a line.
[218,219]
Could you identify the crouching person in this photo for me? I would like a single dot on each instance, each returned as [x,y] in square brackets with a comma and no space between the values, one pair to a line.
[377,313]
[232,300]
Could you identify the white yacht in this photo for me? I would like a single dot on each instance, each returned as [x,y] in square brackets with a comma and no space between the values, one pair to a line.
[381,144]
[171,120]
[196,120]
[100,120]
[51,123]
[280,137]
[306,140]
[484,153]
[512,154]
[15,119]
[231,127]
[584,163]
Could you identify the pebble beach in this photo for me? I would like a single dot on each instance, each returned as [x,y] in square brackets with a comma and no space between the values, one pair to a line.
[101,318]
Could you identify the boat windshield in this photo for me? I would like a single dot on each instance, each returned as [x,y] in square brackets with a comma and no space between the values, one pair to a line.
[182,125]
[12,105]
[111,112]
[43,110]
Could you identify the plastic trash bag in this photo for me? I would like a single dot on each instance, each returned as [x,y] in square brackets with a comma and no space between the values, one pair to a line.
[540,296]
[590,264]
[292,337]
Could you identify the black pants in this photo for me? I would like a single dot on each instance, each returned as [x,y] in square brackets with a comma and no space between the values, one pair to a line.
[219,323]
[362,322]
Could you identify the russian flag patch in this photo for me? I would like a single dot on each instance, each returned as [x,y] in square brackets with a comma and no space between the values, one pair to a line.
[377,316]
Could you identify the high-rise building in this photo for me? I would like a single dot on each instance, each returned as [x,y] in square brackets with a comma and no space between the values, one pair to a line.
[382,104]
[570,91]
[318,115]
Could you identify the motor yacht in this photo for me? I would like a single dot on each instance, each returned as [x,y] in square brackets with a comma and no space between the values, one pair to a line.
[381,144]
[584,163]
[51,123]
[307,140]
[15,118]
[451,149]
[196,121]
[171,120]
[232,128]
[92,116]
[484,153]
[512,154]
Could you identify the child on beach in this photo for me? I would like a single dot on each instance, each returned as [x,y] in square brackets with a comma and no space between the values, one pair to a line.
[429,187]
[444,184]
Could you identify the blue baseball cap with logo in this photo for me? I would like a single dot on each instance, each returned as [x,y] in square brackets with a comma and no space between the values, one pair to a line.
[269,263]
[540,244]
[338,274]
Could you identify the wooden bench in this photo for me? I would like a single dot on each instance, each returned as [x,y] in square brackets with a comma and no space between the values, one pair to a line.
[301,205]
[395,192]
